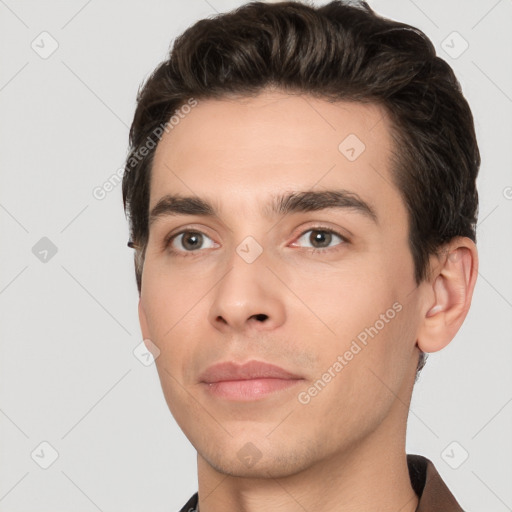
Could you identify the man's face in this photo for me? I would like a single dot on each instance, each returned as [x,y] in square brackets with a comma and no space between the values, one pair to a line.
[244,283]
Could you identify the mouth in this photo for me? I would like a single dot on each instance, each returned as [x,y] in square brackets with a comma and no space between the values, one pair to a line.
[250,381]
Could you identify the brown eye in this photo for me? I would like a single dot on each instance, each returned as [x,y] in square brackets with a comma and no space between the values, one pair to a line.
[320,238]
[323,238]
[189,241]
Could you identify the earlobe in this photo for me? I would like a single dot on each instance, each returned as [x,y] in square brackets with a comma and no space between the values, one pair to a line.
[452,290]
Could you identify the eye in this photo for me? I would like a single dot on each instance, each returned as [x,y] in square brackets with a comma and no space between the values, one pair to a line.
[188,242]
[321,238]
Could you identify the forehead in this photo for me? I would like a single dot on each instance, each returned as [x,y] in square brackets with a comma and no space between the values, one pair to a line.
[240,151]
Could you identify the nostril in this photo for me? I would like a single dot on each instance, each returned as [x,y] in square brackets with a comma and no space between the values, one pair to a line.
[261,317]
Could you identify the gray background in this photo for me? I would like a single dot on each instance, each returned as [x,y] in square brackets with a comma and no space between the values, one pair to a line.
[68,375]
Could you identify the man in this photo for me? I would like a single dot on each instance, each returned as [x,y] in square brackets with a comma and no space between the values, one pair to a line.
[302,203]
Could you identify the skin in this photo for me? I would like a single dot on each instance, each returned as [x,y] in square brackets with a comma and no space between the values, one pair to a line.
[345,448]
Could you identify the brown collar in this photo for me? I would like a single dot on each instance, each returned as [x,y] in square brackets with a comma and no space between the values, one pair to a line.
[433,493]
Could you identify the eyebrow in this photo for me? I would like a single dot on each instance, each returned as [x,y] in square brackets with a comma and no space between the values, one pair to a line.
[283,204]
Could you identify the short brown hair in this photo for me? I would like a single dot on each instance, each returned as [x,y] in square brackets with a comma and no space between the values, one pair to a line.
[339,51]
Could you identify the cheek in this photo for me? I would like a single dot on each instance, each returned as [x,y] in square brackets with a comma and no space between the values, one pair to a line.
[342,301]
[360,315]
[358,381]
[172,309]
[172,304]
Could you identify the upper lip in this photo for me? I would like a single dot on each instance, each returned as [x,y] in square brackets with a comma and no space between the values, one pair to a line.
[251,370]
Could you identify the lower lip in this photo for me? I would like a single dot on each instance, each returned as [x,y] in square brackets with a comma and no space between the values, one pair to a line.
[251,389]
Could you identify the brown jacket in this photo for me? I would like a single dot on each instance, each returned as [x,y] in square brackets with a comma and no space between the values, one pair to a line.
[429,486]
[425,480]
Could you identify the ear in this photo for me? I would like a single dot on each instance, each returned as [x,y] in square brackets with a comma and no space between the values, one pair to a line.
[450,290]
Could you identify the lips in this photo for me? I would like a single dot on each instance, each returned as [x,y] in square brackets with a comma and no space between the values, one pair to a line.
[229,371]
[247,382]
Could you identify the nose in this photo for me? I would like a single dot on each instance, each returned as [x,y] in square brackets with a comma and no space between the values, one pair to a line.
[248,297]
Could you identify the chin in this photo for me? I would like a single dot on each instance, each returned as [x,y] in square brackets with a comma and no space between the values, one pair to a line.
[249,461]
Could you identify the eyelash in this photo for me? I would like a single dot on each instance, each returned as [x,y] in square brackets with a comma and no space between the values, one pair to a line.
[186,254]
